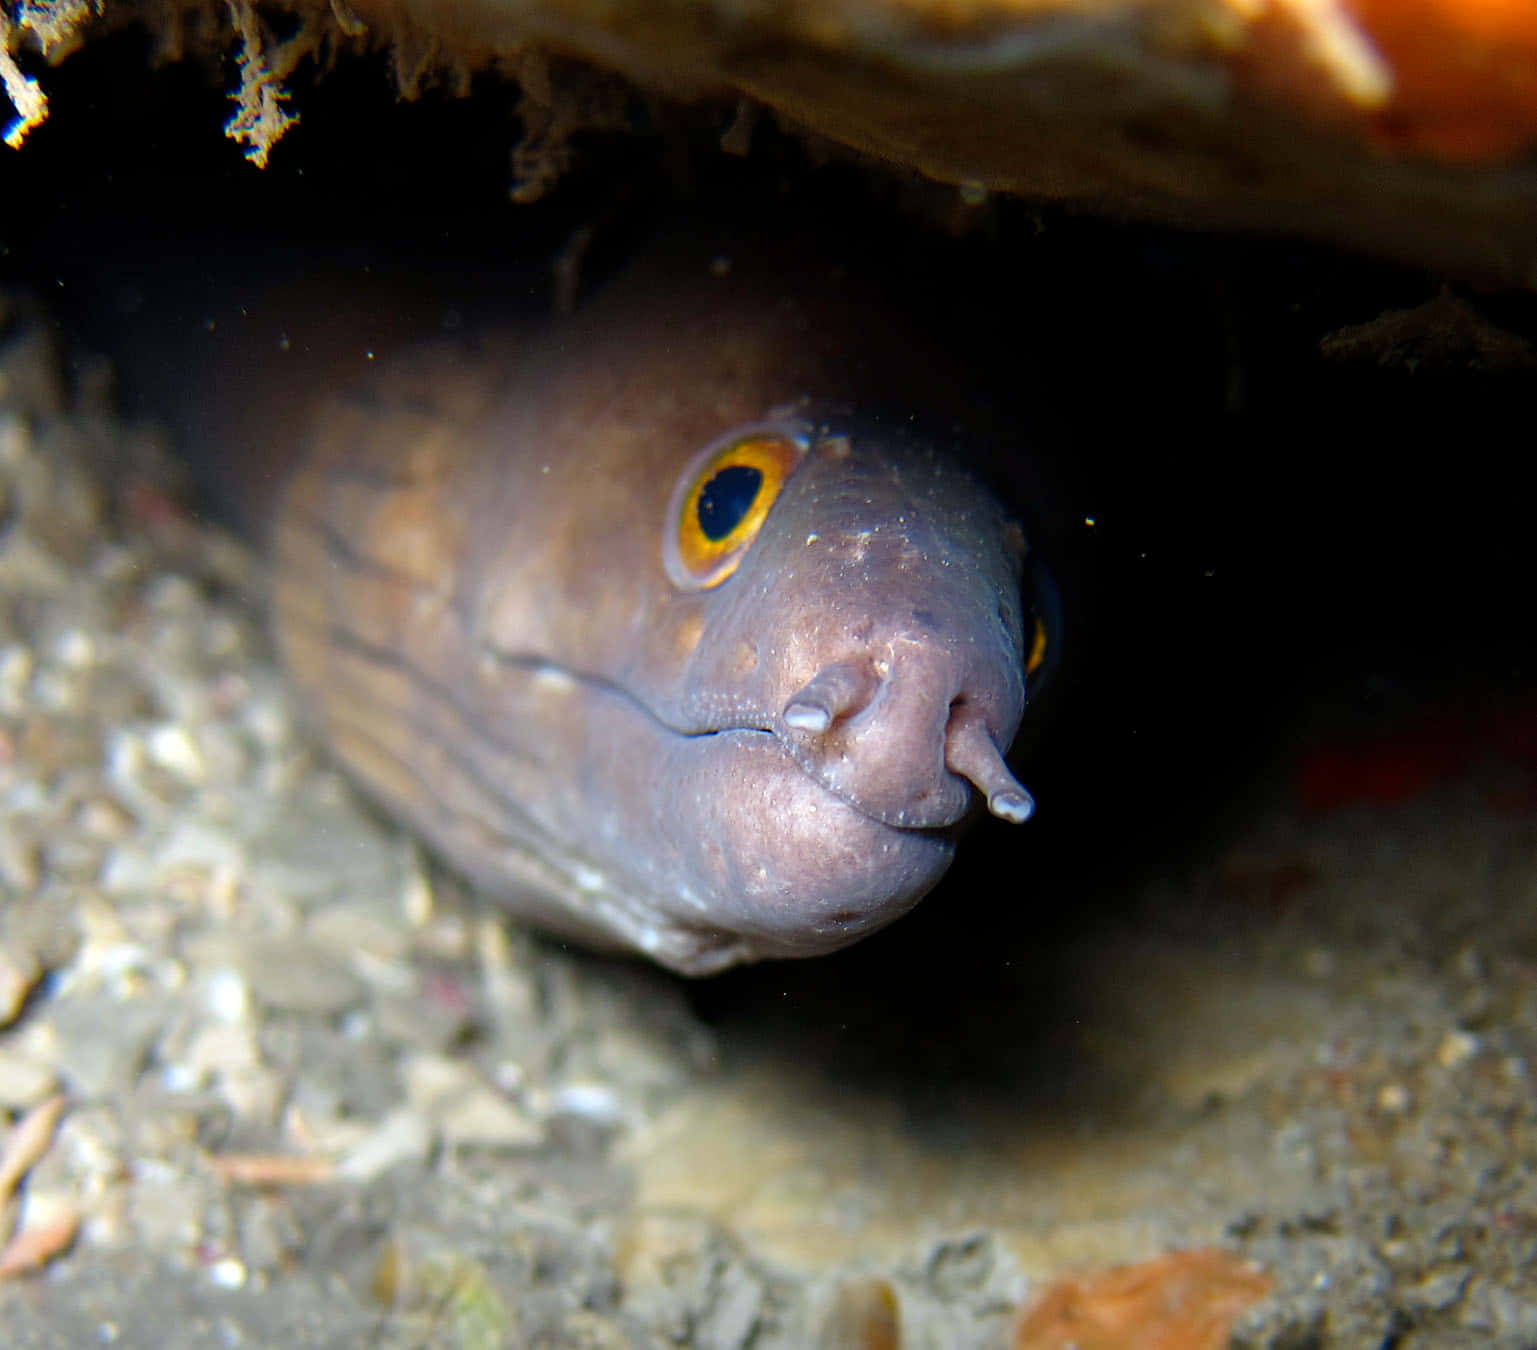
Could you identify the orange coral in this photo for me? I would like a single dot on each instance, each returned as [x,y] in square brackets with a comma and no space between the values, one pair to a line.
[1183,1301]
[1465,74]
[1450,79]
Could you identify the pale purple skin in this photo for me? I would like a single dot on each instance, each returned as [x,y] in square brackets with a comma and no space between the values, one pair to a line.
[473,596]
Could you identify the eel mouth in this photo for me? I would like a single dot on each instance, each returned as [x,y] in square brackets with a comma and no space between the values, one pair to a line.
[904,763]
[935,798]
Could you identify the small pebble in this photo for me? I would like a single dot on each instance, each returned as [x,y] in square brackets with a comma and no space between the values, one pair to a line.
[173,749]
[864,1314]
[75,649]
[731,1323]
[1456,1049]
[356,928]
[19,869]
[19,973]
[15,434]
[466,1111]
[402,1136]
[102,818]
[226,995]
[1439,1289]
[292,975]
[15,675]
[594,1102]
[24,1082]
[228,1273]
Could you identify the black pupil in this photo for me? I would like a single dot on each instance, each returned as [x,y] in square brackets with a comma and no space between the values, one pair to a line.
[726,498]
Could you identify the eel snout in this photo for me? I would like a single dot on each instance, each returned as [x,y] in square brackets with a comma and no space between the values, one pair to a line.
[900,734]
[883,618]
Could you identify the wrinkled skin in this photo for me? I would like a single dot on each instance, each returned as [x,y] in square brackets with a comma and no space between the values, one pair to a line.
[472,597]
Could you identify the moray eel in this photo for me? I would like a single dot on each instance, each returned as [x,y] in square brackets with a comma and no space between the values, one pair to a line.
[674,628]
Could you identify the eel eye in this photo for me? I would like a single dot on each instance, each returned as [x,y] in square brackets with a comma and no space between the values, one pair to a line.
[722,499]
[1040,648]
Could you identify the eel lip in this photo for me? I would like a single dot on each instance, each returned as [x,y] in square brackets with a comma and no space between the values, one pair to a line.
[913,811]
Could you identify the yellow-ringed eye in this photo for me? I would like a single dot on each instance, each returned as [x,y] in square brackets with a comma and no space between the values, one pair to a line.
[1040,647]
[722,499]
[1045,648]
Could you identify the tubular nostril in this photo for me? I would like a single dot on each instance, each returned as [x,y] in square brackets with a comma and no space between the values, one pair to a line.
[835,691]
[970,752]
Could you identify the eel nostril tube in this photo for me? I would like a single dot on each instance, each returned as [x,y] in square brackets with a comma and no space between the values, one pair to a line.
[970,752]
[834,691]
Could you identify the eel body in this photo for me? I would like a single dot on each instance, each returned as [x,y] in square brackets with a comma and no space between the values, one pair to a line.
[673,627]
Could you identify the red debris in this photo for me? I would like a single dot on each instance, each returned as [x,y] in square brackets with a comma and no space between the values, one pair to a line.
[1183,1301]
[1439,747]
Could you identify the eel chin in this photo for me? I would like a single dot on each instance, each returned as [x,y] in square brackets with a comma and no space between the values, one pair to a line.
[770,855]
